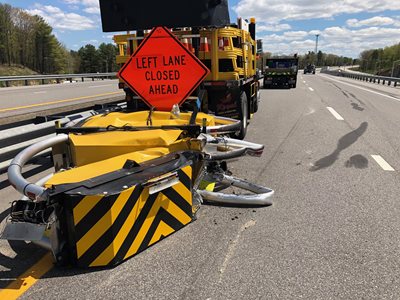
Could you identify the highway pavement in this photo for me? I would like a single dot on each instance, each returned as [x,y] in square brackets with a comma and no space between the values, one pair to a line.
[17,101]
[332,157]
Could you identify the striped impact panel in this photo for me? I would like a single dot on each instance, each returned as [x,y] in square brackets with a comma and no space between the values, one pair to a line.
[111,228]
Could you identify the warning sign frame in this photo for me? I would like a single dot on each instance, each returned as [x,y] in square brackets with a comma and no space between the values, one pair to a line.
[121,74]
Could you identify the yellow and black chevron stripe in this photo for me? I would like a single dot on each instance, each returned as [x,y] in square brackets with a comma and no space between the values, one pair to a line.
[110,229]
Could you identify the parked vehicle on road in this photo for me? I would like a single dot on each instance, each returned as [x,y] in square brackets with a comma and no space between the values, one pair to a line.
[281,72]
[309,69]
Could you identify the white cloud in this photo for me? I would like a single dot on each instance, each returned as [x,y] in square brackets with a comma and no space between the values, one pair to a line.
[374,21]
[59,19]
[91,10]
[337,40]
[286,36]
[90,6]
[92,42]
[275,11]
[272,27]
[314,32]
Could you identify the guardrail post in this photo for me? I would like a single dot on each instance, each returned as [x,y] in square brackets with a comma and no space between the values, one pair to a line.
[70,80]
[379,80]
[42,81]
[26,82]
[83,79]
[374,80]
[92,78]
[389,82]
[395,84]
[383,81]
[7,84]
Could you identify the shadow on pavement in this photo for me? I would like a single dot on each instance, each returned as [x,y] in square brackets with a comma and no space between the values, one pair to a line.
[343,143]
[357,161]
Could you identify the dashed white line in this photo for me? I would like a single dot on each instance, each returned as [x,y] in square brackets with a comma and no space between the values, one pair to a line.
[335,114]
[304,81]
[364,89]
[40,92]
[311,89]
[382,163]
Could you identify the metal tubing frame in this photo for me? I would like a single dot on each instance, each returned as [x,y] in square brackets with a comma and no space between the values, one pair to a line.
[31,190]
[240,148]
[261,196]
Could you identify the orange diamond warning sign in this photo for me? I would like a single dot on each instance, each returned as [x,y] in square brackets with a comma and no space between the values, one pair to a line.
[162,71]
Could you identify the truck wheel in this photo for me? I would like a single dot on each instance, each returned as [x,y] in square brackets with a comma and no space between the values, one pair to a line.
[243,117]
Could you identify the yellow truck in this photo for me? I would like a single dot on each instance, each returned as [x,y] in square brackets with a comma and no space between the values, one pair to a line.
[228,50]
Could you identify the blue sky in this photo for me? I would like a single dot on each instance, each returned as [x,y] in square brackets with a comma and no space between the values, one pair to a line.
[346,27]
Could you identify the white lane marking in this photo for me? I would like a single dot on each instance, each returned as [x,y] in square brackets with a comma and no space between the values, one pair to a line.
[304,81]
[40,92]
[99,86]
[311,89]
[383,163]
[361,88]
[335,114]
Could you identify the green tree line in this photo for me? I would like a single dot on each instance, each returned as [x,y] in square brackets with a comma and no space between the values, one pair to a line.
[322,59]
[29,41]
[382,61]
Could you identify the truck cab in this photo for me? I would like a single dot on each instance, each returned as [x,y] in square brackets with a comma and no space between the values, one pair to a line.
[281,72]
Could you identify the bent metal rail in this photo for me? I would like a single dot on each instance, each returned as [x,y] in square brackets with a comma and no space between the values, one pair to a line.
[368,78]
[57,77]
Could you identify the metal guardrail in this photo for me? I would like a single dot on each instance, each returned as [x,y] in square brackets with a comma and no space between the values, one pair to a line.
[15,139]
[57,77]
[364,77]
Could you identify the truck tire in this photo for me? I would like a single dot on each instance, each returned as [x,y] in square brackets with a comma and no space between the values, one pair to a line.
[243,117]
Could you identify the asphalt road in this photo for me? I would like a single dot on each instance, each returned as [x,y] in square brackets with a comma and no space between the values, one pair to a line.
[31,99]
[333,231]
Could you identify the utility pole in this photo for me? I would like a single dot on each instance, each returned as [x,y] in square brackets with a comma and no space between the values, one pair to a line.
[316,47]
